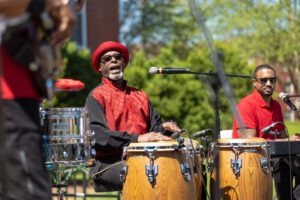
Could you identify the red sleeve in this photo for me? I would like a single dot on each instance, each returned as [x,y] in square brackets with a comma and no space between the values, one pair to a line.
[247,113]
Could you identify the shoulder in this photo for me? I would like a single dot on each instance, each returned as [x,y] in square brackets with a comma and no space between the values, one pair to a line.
[96,91]
[246,101]
[137,91]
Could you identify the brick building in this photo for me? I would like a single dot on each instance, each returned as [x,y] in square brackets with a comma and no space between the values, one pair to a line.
[98,21]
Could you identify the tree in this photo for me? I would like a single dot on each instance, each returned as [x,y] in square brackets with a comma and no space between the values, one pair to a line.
[154,23]
[184,98]
[268,30]
[78,66]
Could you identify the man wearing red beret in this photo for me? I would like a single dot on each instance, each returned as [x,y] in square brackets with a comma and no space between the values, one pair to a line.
[118,114]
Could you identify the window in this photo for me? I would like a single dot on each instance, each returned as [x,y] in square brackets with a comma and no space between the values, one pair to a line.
[80,31]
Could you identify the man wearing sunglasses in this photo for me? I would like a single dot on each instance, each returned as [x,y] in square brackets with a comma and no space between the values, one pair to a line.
[259,110]
[119,114]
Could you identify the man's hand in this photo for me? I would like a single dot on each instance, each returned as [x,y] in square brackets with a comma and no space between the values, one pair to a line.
[153,137]
[171,126]
[64,20]
[295,137]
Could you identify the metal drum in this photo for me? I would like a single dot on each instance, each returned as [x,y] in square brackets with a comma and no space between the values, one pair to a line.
[67,142]
[157,170]
[244,169]
[195,150]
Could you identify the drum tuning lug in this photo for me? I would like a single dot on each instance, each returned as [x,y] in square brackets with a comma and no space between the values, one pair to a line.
[264,165]
[151,170]
[123,173]
[185,168]
[186,171]
[93,141]
[210,165]
[84,153]
[236,166]
[65,154]
[93,153]
[75,149]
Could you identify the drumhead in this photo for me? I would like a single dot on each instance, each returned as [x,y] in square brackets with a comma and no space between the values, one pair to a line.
[240,142]
[64,110]
[158,146]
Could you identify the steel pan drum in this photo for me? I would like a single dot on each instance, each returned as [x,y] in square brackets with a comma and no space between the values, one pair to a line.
[67,142]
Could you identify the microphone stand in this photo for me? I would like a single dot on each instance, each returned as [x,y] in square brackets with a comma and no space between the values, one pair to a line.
[215,85]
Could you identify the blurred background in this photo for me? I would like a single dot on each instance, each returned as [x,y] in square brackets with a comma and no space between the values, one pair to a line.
[164,33]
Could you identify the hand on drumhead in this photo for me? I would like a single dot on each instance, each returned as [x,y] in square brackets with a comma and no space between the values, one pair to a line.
[171,126]
[295,137]
[152,137]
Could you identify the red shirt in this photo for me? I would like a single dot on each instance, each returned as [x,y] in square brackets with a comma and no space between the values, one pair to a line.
[16,80]
[126,109]
[257,114]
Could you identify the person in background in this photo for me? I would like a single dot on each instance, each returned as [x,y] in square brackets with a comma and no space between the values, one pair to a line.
[259,110]
[24,175]
[119,115]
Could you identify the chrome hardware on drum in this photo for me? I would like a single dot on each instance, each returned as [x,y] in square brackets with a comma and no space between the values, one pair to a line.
[67,142]
[244,169]
[157,170]
[196,153]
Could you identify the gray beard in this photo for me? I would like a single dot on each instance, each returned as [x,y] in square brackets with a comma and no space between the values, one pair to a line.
[116,77]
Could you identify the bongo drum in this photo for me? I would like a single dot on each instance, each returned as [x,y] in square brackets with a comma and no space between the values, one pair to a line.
[157,170]
[244,169]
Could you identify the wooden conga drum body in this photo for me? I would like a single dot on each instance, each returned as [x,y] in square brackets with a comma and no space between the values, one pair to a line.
[244,170]
[157,170]
[195,150]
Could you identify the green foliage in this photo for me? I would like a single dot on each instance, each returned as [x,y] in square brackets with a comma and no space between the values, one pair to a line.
[184,98]
[78,66]
[266,30]
[154,23]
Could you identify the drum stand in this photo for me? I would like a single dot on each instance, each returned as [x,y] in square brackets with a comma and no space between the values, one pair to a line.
[61,181]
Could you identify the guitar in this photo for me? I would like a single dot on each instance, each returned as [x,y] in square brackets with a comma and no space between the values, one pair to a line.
[28,43]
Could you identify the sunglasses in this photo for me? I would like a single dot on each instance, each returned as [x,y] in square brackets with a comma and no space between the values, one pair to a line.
[108,58]
[265,80]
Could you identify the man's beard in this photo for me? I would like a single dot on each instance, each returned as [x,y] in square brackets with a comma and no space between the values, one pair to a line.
[116,77]
[268,93]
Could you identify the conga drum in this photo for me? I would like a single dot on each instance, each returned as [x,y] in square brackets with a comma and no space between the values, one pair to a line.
[244,170]
[157,170]
[195,150]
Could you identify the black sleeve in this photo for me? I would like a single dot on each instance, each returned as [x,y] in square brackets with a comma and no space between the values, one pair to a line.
[156,122]
[106,139]
[36,7]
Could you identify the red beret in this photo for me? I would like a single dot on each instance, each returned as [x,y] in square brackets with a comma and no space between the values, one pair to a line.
[109,46]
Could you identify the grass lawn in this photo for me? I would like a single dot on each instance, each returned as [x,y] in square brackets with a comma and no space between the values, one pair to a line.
[293,127]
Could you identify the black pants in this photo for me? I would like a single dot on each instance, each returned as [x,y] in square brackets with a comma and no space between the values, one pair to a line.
[281,175]
[27,176]
[109,179]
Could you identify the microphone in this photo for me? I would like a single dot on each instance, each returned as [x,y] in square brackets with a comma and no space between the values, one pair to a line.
[287,100]
[203,132]
[168,70]
[268,128]
[175,135]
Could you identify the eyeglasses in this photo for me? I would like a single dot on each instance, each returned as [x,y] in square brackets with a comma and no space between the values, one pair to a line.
[108,58]
[265,80]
